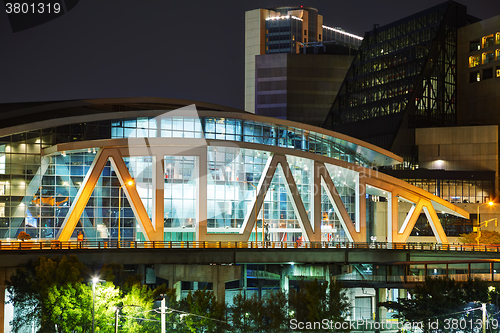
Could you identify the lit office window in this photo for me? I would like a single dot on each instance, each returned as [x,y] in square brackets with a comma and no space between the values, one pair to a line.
[474,76]
[488,57]
[475,45]
[488,41]
[497,37]
[474,60]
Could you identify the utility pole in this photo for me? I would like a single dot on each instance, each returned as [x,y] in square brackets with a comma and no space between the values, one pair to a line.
[484,317]
[163,323]
[116,319]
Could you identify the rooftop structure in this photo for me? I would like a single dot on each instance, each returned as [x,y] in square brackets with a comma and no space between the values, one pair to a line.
[284,30]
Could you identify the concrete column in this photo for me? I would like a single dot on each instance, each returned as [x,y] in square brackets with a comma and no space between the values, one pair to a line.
[141,269]
[177,286]
[243,280]
[284,283]
[219,290]
[402,293]
[219,284]
[380,311]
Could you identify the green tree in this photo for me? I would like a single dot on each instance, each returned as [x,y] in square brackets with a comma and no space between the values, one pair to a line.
[438,299]
[204,313]
[140,301]
[52,294]
[338,302]
[487,237]
[24,295]
[64,298]
[247,314]
[313,302]
[49,294]
[276,312]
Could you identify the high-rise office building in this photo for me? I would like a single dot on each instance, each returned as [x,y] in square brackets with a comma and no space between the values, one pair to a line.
[425,87]
[479,73]
[403,77]
[284,30]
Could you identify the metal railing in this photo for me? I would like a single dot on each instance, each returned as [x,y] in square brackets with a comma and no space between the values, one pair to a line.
[124,244]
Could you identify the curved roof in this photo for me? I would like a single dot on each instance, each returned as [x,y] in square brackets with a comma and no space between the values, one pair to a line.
[20,117]
[14,114]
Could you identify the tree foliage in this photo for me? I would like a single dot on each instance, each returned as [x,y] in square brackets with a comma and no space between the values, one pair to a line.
[23,236]
[312,301]
[53,294]
[439,299]
[487,237]
[206,314]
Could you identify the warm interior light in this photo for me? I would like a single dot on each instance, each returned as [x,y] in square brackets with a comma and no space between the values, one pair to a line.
[130,183]
[490,203]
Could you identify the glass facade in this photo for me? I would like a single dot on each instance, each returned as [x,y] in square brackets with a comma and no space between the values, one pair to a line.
[292,26]
[403,77]
[37,189]
[340,36]
[283,34]
[44,173]
[457,190]
[238,130]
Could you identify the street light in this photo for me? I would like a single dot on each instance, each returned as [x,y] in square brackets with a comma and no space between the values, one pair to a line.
[95,280]
[263,218]
[128,183]
[489,203]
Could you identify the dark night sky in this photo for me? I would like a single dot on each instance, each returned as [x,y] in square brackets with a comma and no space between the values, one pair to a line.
[183,49]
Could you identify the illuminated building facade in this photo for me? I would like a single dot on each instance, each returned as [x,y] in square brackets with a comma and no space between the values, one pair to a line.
[403,77]
[479,73]
[284,30]
[157,169]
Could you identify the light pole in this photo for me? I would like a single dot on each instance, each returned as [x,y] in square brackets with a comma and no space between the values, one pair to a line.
[129,183]
[263,218]
[94,282]
[489,203]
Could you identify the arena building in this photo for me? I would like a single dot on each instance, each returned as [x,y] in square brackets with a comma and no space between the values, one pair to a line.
[160,169]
